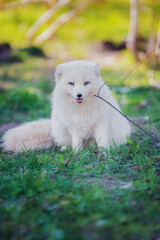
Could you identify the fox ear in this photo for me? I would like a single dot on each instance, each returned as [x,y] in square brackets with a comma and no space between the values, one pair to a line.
[97,69]
[58,72]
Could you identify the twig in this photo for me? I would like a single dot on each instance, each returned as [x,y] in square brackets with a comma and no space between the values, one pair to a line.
[128,118]
[85,143]
[139,64]
[98,96]
[132,70]
[101,88]
[23,4]
[45,17]
[69,159]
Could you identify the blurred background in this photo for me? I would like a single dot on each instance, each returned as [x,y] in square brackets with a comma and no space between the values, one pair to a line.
[68,29]
[35,35]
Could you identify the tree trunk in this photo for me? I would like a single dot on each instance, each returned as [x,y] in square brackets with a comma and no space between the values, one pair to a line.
[152,38]
[133,28]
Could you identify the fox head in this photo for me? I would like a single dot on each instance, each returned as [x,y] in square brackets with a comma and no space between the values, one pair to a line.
[78,80]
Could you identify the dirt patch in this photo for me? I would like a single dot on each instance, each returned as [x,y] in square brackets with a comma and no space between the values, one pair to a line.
[7,126]
[111,183]
[103,56]
[140,120]
[108,182]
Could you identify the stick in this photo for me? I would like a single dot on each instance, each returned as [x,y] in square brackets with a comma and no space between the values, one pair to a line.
[139,64]
[69,159]
[132,70]
[98,96]
[128,118]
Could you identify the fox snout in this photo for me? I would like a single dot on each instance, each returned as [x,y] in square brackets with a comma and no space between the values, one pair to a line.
[79,95]
[79,98]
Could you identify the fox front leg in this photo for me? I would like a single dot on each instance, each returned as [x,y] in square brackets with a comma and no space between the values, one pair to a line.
[77,142]
[100,135]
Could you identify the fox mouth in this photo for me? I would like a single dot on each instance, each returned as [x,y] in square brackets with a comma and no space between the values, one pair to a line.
[79,100]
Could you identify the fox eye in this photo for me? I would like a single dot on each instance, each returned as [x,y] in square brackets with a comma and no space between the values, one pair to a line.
[71,83]
[86,83]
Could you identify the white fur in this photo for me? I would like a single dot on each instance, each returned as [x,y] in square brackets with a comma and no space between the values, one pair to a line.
[36,134]
[73,123]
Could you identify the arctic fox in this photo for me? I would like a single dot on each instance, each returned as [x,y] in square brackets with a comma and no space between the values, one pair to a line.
[77,115]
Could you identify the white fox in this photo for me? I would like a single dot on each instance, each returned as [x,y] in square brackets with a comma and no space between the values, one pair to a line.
[77,115]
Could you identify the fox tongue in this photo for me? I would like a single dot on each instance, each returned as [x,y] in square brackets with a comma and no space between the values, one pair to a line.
[79,100]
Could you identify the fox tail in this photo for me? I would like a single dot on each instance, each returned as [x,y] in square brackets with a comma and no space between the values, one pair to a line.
[32,135]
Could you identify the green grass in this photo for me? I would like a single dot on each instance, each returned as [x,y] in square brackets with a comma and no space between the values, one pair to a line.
[95,197]
[40,198]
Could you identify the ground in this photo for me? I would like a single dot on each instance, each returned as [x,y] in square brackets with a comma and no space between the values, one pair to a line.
[93,196]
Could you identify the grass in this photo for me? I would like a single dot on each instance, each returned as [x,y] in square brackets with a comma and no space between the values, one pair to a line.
[43,199]
[94,197]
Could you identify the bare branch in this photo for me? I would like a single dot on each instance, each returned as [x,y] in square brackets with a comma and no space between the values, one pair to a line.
[23,3]
[45,17]
[73,150]
[48,33]
[134,68]
[69,159]
[139,64]
[101,88]
[128,119]
[137,125]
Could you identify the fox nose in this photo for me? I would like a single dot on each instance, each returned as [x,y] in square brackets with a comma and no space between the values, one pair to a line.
[79,95]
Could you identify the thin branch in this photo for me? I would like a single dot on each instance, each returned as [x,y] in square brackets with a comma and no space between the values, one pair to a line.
[45,17]
[69,159]
[101,88]
[48,33]
[70,156]
[23,3]
[98,96]
[133,69]
[128,118]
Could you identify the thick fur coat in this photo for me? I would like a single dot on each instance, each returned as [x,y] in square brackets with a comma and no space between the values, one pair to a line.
[77,115]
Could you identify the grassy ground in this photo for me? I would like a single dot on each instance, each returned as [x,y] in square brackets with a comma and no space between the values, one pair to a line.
[94,197]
